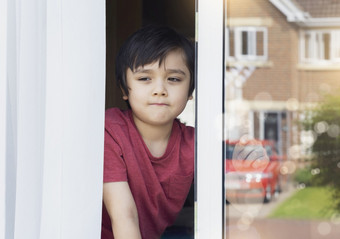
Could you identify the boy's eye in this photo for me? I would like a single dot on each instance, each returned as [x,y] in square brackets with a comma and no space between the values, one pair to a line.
[173,79]
[144,79]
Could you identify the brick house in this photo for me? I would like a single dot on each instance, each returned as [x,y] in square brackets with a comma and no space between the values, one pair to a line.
[281,56]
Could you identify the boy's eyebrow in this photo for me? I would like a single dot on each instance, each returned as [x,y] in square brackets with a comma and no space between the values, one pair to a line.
[178,71]
[142,70]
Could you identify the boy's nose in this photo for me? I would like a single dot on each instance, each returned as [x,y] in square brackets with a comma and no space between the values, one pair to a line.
[160,89]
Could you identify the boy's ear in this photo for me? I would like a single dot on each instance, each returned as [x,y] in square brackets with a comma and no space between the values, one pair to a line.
[190,97]
[125,97]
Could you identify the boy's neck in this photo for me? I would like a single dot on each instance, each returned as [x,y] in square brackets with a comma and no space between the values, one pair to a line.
[155,137]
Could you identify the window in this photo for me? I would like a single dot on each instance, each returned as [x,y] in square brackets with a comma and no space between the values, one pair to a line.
[320,46]
[289,109]
[247,43]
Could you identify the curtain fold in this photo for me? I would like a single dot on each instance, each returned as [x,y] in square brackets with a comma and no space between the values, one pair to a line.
[53,118]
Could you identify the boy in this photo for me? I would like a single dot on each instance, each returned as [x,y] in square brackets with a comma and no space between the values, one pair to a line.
[149,154]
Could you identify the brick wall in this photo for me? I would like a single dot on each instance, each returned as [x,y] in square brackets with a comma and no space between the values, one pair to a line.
[278,78]
[315,83]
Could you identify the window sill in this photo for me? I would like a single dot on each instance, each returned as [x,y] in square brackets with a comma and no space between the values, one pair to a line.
[319,67]
[258,63]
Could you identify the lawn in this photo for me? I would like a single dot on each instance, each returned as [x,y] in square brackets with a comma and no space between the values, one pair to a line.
[307,203]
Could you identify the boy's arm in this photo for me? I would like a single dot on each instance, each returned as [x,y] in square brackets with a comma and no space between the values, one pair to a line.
[122,210]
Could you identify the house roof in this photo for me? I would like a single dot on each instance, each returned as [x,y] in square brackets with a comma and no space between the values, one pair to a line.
[319,8]
[310,13]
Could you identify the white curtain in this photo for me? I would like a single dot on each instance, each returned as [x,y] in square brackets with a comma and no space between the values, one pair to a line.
[3,85]
[52,69]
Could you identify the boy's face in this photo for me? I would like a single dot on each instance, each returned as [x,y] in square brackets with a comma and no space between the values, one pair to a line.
[159,93]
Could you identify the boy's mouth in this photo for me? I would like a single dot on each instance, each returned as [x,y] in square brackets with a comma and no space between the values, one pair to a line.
[159,104]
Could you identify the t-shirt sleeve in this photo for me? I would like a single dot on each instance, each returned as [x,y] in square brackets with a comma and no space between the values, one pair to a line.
[114,165]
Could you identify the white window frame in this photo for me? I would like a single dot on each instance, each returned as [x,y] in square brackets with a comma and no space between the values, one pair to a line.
[252,43]
[209,133]
[315,47]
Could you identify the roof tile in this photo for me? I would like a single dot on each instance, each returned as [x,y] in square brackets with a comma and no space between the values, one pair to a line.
[320,8]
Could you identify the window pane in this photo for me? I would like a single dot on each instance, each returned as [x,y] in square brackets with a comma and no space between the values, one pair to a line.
[282,124]
[245,45]
[307,40]
[319,46]
[231,43]
[327,45]
[336,44]
[259,43]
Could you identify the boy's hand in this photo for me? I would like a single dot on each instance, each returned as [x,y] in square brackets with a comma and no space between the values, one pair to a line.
[122,210]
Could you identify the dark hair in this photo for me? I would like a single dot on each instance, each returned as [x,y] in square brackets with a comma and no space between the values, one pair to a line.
[149,44]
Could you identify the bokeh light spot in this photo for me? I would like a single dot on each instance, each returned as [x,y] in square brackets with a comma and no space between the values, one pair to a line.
[335,219]
[294,152]
[301,186]
[308,138]
[284,170]
[324,228]
[292,104]
[315,171]
[333,131]
[321,127]
[288,167]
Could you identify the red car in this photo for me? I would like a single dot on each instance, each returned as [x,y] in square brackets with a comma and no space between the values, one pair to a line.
[252,171]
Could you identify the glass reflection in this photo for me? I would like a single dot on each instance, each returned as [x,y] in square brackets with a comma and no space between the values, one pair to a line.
[282,96]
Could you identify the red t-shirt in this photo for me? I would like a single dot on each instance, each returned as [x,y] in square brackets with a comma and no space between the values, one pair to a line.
[159,185]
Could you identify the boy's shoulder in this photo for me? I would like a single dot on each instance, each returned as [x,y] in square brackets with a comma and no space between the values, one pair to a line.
[188,132]
[116,116]
[183,125]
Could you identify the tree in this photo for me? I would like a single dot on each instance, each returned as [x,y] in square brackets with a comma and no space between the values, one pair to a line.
[324,120]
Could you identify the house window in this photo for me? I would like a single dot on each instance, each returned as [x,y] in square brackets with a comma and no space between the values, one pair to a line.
[247,43]
[320,46]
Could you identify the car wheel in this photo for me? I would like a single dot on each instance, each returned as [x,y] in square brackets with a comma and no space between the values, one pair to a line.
[278,187]
[268,195]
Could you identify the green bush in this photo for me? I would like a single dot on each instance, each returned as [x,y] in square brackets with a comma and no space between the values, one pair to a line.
[304,176]
[326,148]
